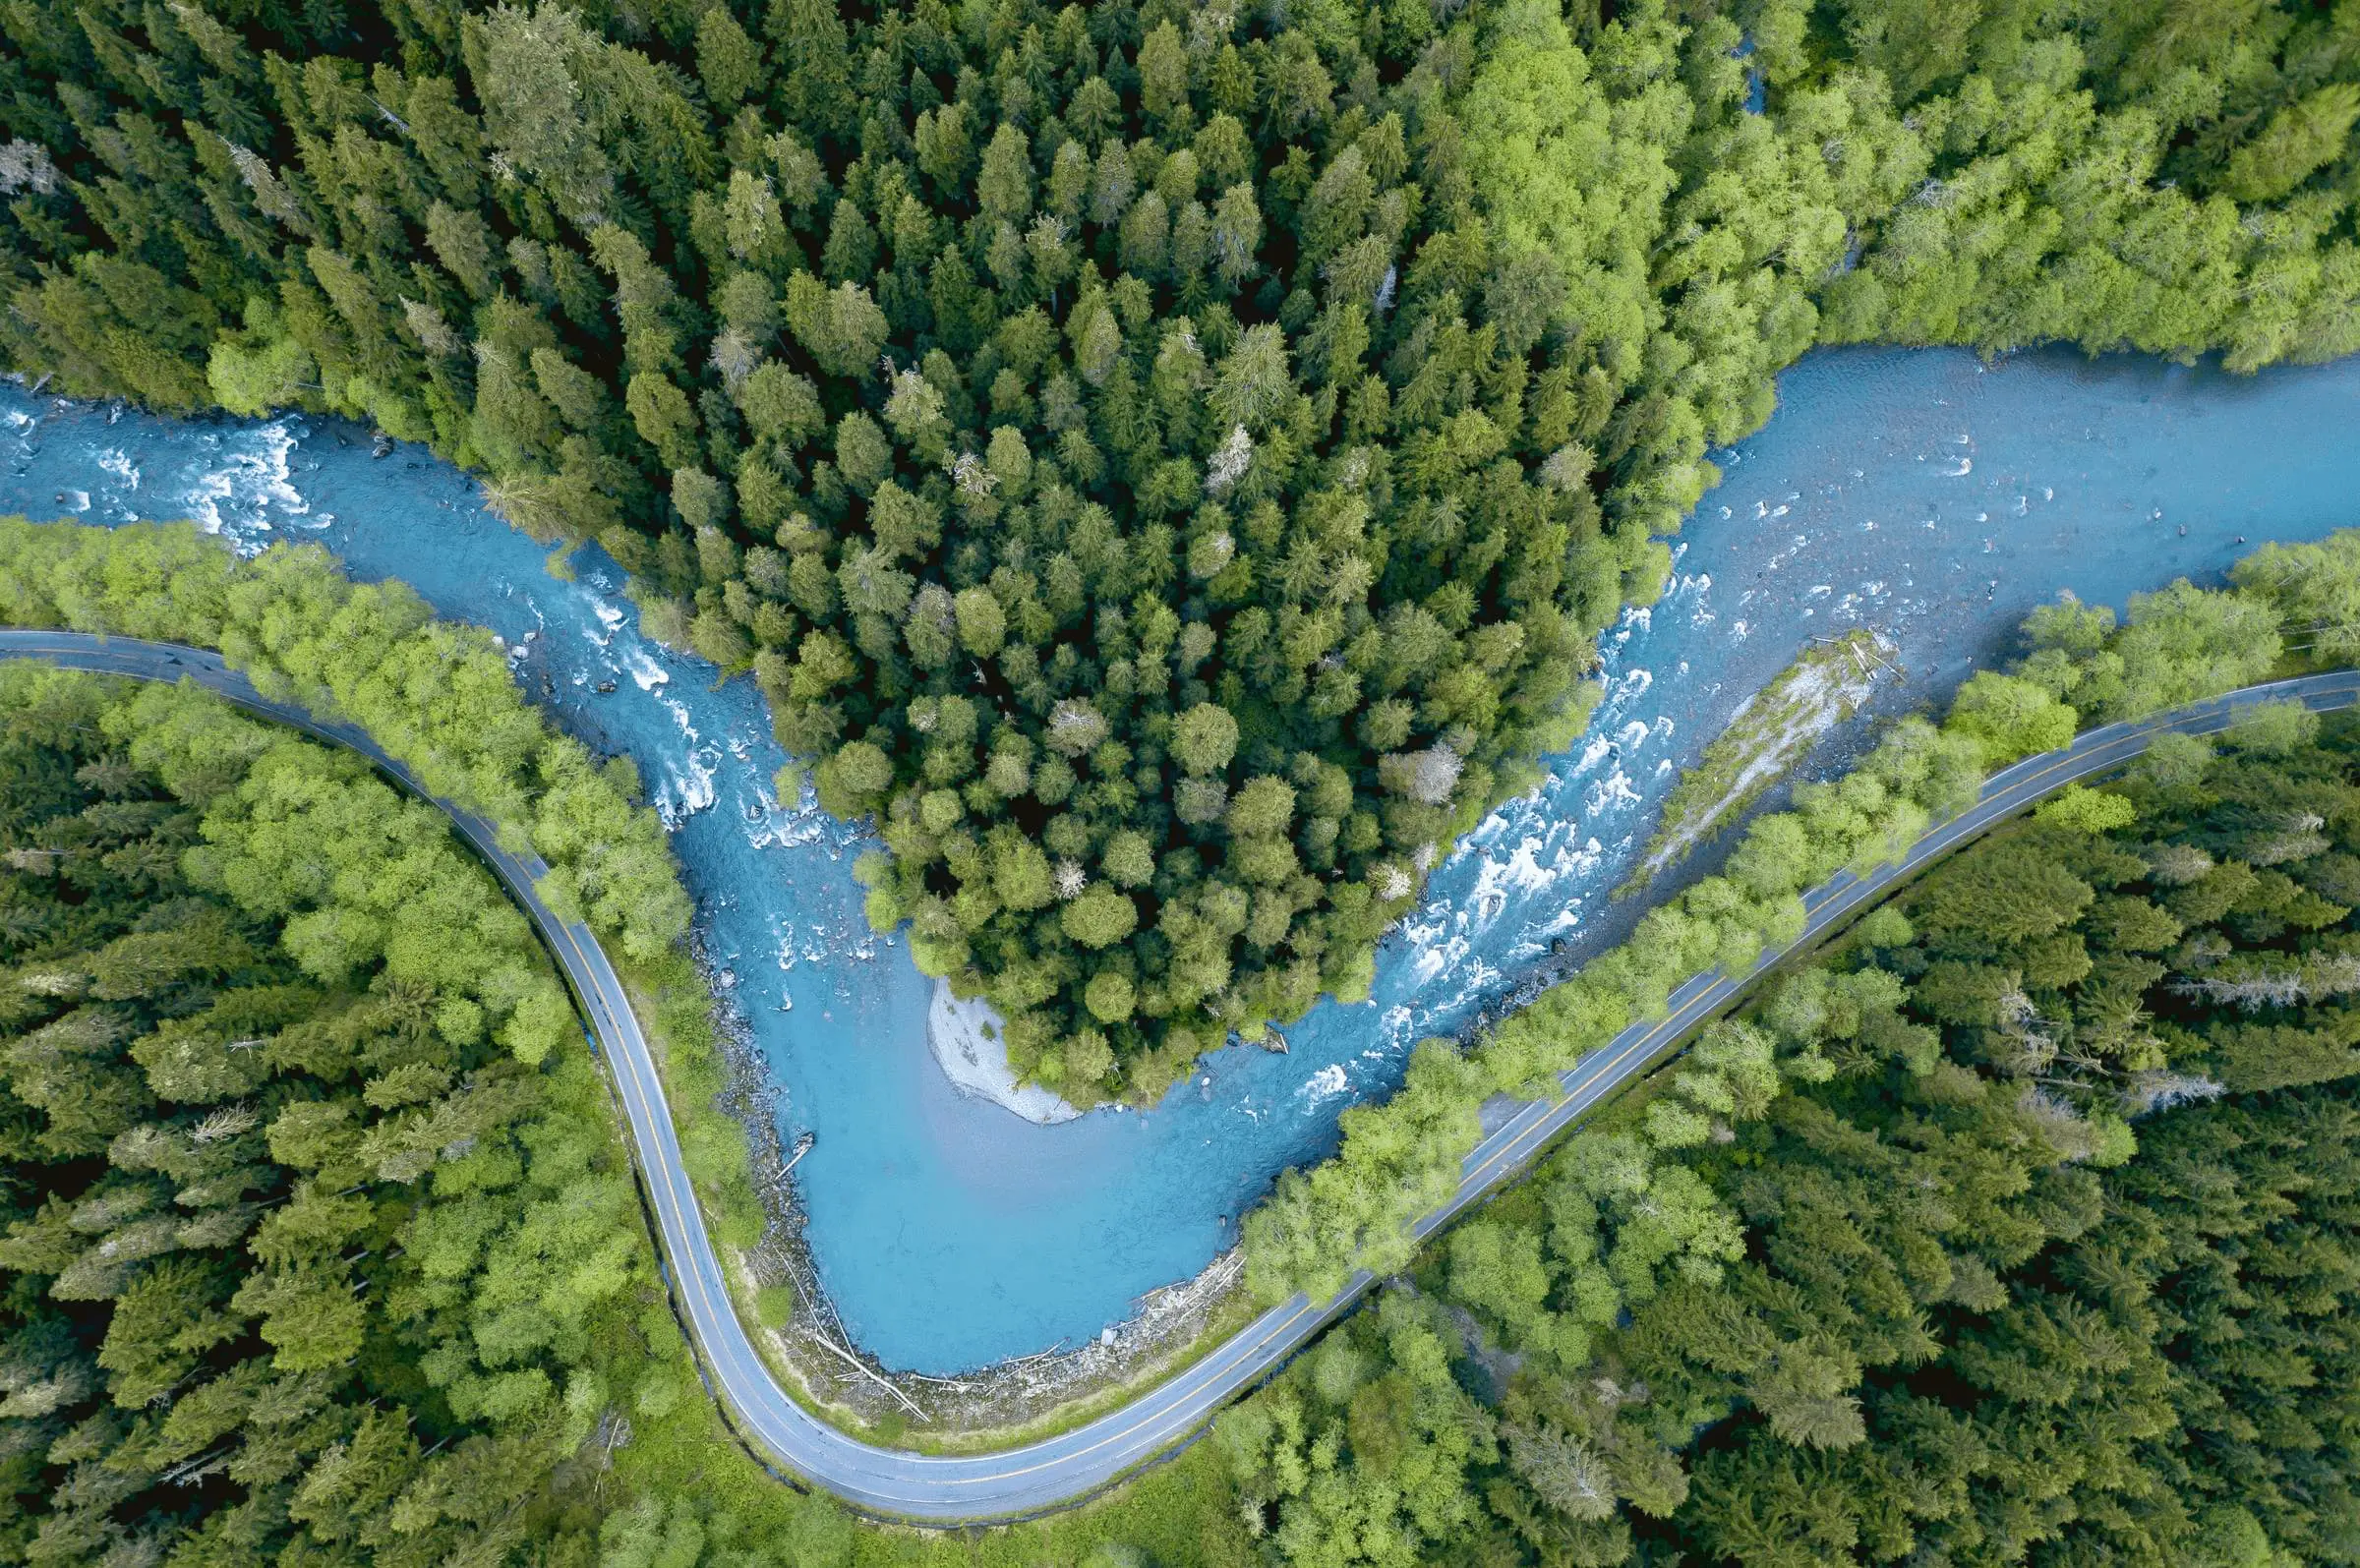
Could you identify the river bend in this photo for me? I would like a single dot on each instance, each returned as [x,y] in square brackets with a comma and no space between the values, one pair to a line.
[1917,492]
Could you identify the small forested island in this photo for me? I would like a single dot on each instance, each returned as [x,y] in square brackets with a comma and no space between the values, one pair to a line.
[1166,466]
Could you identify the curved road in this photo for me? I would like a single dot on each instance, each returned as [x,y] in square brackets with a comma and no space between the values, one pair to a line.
[1061,1469]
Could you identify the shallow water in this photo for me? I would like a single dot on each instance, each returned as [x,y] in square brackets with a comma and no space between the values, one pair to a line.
[1917,492]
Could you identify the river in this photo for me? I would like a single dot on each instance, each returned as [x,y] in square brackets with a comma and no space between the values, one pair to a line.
[1920,493]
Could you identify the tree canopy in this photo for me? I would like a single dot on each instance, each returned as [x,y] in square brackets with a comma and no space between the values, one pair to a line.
[309,1216]
[2016,1229]
[1010,387]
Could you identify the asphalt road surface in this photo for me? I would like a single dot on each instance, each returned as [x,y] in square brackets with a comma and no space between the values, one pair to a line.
[1062,1469]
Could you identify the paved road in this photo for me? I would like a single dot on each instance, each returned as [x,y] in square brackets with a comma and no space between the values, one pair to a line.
[1058,1470]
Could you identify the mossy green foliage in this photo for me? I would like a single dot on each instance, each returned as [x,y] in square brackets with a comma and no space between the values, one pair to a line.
[2176,644]
[438,696]
[441,699]
[1013,389]
[317,1239]
[2018,1228]
[681,1503]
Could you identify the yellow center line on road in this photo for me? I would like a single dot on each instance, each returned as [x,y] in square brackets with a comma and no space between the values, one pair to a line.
[1977,819]
[1509,1154]
[893,1480]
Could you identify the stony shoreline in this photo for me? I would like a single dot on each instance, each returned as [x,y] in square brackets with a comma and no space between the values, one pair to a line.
[813,1347]
[1770,731]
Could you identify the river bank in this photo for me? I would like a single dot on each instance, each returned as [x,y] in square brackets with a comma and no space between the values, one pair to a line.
[965,1039]
[950,1233]
[783,1300]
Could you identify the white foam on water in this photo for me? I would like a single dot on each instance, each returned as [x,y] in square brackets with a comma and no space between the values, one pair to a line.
[1567,918]
[770,824]
[1522,871]
[1430,952]
[1595,751]
[691,779]
[238,498]
[694,783]
[1614,792]
[647,674]
[1325,1085]
[1477,979]
[118,463]
[1491,829]
[610,621]
[790,831]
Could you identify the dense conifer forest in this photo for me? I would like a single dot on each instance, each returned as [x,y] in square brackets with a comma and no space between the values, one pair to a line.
[1167,461]
[2018,1228]
[315,1222]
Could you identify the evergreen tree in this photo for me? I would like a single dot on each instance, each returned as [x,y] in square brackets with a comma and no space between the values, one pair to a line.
[1337,369]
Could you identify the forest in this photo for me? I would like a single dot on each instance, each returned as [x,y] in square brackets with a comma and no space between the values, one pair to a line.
[318,1244]
[1166,461]
[2017,1227]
